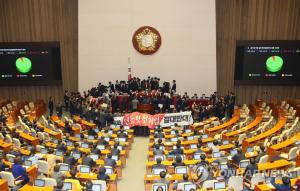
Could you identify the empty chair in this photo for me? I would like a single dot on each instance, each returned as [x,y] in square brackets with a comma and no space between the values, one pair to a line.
[40,136]
[100,182]
[208,184]
[39,147]
[256,178]
[263,159]
[31,105]
[43,167]
[12,182]
[1,136]
[291,155]
[181,186]
[17,143]
[236,182]
[241,138]
[8,138]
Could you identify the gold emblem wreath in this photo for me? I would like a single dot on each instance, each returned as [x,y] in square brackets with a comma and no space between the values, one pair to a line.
[140,36]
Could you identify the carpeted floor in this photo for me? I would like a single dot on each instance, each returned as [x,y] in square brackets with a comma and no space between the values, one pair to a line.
[133,173]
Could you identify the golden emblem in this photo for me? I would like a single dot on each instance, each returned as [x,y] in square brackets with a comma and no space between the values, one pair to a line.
[146,40]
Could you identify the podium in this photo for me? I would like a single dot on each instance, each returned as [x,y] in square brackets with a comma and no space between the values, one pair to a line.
[145,108]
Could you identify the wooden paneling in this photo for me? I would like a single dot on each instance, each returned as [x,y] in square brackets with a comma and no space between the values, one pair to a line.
[253,20]
[42,20]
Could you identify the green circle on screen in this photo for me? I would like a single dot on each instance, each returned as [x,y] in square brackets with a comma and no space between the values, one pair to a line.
[23,65]
[274,63]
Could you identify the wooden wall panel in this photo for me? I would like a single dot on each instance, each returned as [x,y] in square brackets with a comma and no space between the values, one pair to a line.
[253,20]
[42,20]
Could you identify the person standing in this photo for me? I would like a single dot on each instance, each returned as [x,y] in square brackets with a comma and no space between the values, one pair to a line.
[174,86]
[66,100]
[50,106]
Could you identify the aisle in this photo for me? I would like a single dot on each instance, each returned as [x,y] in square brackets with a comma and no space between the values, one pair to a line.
[133,173]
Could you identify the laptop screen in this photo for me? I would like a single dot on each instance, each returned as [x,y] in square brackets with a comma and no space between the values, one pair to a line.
[84,145]
[67,186]
[115,157]
[174,139]
[43,151]
[85,169]
[91,137]
[27,163]
[209,145]
[219,185]
[59,153]
[193,146]
[190,138]
[39,183]
[223,166]
[233,152]
[109,171]
[101,147]
[197,156]
[94,157]
[69,143]
[181,170]
[188,187]
[294,174]
[216,154]
[97,187]
[107,139]
[77,135]
[64,167]
[204,136]
[225,142]
[157,171]
[244,164]
[250,149]
[122,139]
[164,187]
[76,155]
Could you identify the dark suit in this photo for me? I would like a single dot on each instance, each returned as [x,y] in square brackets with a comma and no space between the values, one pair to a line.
[88,161]
[110,162]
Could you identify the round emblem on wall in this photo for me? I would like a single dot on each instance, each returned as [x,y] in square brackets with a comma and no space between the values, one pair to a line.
[146,40]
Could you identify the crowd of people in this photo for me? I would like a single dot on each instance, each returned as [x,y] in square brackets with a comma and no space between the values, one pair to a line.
[100,104]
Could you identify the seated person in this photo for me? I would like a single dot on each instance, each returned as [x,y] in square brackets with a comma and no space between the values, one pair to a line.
[251,169]
[76,148]
[185,179]
[92,132]
[282,187]
[89,186]
[178,150]
[19,172]
[178,161]
[109,161]
[238,157]
[62,146]
[158,151]
[162,179]
[203,161]
[2,165]
[261,152]
[159,143]
[95,150]
[215,147]
[199,150]
[159,134]
[122,134]
[70,160]
[115,151]
[158,164]
[88,161]
[57,175]
[102,175]
[102,141]
[59,186]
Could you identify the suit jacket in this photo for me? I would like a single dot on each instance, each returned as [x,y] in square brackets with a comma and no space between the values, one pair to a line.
[88,161]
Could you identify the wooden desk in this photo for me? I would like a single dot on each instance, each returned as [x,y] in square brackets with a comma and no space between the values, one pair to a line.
[3,185]
[5,146]
[35,188]
[33,140]
[276,149]
[227,124]
[202,123]
[55,134]
[247,128]
[266,187]
[271,132]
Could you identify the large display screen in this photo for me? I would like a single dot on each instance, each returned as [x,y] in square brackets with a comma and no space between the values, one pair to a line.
[267,62]
[32,63]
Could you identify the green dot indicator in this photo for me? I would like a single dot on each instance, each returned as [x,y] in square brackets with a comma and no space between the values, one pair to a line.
[274,63]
